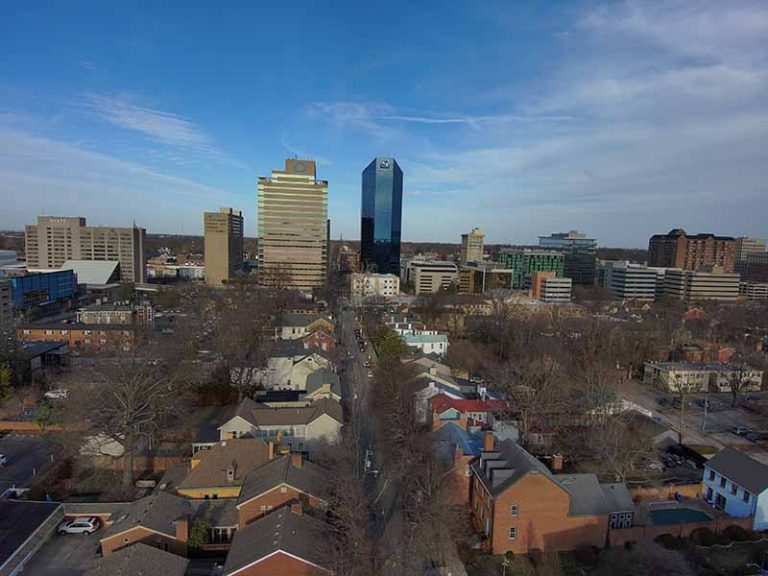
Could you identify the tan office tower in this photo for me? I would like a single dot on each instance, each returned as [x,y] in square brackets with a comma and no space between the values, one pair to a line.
[223,245]
[55,239]
[293,212]
[472,246]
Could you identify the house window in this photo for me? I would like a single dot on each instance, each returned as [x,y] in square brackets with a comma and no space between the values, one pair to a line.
[283,489]
[722,482]
[711,475]
[734,488]
[746,496]
[512,532]
[513,510]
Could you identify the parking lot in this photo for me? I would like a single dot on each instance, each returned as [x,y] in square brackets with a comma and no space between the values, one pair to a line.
[68,555]
[26,456]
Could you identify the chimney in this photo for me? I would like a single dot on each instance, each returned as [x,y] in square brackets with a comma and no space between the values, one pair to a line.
[182,528]
[297,460]
[489,442]
[557,462]
[270,450]
[297,509]
[231,469]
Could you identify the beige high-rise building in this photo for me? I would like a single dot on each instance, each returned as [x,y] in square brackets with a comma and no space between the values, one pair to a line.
[472,246]
[223,245]
[56,239]
[293,227]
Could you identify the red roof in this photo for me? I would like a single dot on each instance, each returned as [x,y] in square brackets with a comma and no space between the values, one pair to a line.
[441,403]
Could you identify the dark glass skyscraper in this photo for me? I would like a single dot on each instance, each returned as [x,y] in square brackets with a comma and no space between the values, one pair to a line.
[382,212]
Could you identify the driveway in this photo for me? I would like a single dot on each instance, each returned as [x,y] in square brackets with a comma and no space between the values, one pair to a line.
[27,456]
[67,555]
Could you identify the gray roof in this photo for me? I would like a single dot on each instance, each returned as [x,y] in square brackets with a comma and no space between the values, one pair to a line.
[157,512]
[740,469]
[139,560]
[219,512]
[587,497]
[323,376]
[300,320]
[617,498]
[245,454]
[297,535]
[308,477]
[265,416]
[18,521]
[94,271]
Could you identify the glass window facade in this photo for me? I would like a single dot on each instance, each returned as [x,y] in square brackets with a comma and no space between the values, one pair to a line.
[381,216]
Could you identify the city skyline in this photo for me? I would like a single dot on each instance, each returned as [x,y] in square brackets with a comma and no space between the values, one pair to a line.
[565,116]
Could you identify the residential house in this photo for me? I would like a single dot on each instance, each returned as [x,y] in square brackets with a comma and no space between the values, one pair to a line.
[323,383]
[427,343]
[738,484]
[319,339]
[219,472]
[300,428]
[289,366]
[469,414]
[520,505]
[289,479]
[140,559]
[160,520]
[220,515]
[287,542]
[456,448]
[293,326]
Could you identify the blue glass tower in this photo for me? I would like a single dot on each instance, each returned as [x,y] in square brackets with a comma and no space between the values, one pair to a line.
[381,216]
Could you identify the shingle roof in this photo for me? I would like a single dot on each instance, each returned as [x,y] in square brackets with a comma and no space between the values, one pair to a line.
[740,469]
[265,416]
[245,453]
[323,376]
[441,403]
[157,512]
[140,560]
[308,477]
[297,535]
[300,320]
[587,497]
[219,512]
[617,498]
[471,444]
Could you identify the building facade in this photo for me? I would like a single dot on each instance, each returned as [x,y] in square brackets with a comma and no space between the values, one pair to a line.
[580,254]
[525,261]
[223,245]
[54,240]
[472,246]
[695,286]
[630,281]
[737,484]
[547,287]
[431,277]
[479,277]
[380,224]
[754,268]
[366,285]
[293,227]
[6,307]
[43,289]
[676,249]
[745,247]
[696,377]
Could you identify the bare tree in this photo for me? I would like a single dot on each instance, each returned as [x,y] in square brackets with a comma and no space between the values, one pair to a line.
[619,445]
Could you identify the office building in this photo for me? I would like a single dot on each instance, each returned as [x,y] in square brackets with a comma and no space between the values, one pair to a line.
[368,284]
[42,289]
[629,281]
[547,287]
[223,245]
[293,227]
[755,267]
[580,254]
[707,284]
[6,304]
[523,262]
[676,249]
[479,277]
[381,216]
[745,246]
[472,246]
[431,277]
[54,240]
[753,290]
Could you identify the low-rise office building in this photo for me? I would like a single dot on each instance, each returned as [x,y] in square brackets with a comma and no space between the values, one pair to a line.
[124,314]
[547,287]
[523,262]
[366,285]
[479,277]
[629,281]
[431,277]
[753,290]
[706,284]
[700,377]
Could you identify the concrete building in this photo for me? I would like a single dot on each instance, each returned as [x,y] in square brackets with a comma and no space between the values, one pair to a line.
[380,224]
[753,290]
[696,377]
[745,247]
[580,254]
[293,227]
[365,285]
[547,287]
[676,249]
[695,286]
[54,240]
[630,281]
[431,277]
[479,277]
[6,304]
[472,246]
[754,268]
[737,484]
[223,245]
[525,261]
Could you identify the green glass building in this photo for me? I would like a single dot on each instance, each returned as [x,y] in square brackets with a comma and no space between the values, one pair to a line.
[525,261]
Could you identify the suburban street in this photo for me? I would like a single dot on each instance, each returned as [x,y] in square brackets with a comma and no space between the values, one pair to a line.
[26,457]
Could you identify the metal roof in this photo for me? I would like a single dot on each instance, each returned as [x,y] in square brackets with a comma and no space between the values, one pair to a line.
[94,271]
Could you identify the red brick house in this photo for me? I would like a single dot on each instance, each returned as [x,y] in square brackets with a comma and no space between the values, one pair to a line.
[319,339]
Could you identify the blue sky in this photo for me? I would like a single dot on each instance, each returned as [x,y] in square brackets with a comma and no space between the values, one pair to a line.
[619,119]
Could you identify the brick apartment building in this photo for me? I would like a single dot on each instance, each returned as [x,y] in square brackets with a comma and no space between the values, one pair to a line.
[676,249]
[81,337]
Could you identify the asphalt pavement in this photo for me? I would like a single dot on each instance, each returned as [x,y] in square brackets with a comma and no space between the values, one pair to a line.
[26,457]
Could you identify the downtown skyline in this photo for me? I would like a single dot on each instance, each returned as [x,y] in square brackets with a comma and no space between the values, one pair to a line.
[617,119]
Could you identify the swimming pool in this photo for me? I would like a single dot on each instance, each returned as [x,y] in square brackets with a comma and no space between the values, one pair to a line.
[668,516]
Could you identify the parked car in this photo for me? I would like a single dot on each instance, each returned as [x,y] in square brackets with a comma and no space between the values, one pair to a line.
[79,526]
[662,401]
[367,364]
[753,436]
[57,394]
[741,430]
[370,374]
[3,460]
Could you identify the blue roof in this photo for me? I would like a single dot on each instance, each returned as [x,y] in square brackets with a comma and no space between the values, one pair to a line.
[471,444]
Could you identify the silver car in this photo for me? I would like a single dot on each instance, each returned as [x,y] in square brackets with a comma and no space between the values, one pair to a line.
[79,526]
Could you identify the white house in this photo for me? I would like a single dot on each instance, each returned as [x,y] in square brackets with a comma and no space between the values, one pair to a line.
[427,343]
[738,484]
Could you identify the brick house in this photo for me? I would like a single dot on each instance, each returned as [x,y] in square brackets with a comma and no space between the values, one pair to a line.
[285,543]
[81,337]
[319,339]
[140,559]
[466,413]
[160,520]
[286,480]
[456,448]
[520,506]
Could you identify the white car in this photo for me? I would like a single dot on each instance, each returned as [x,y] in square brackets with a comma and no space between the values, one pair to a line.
[79,526]
[57,394]
[3,460]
